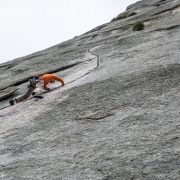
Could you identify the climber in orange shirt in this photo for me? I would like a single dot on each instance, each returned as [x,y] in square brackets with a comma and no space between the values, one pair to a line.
[44,80]
[50,78]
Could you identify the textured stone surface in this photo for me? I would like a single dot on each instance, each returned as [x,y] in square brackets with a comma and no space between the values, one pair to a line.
[117,117]
[7,92]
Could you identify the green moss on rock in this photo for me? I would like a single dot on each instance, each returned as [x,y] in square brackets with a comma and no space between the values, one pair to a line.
[138,26]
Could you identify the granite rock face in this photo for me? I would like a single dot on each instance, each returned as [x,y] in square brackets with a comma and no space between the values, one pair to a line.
[7,92]
[118,115]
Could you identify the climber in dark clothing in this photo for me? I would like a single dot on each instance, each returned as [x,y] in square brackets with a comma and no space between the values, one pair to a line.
[31,88]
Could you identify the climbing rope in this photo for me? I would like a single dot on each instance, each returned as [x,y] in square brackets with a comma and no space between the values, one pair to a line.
[13,109]
[9,112]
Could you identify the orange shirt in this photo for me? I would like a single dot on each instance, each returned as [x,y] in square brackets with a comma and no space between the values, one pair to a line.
[49,77]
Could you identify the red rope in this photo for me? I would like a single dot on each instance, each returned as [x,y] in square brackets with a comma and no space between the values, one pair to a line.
[13,109]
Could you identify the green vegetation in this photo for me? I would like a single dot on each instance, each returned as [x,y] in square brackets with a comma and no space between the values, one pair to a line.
[138,26]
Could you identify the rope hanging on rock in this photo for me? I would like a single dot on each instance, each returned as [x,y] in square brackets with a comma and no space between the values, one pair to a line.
[13,109]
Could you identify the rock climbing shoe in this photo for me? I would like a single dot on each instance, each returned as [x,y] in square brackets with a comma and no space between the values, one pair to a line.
[11,102]
[38,96]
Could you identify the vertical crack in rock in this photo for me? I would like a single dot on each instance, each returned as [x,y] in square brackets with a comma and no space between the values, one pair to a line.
[97,56]
[120,121]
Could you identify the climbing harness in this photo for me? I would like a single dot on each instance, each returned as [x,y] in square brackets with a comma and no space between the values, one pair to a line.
[34,79]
